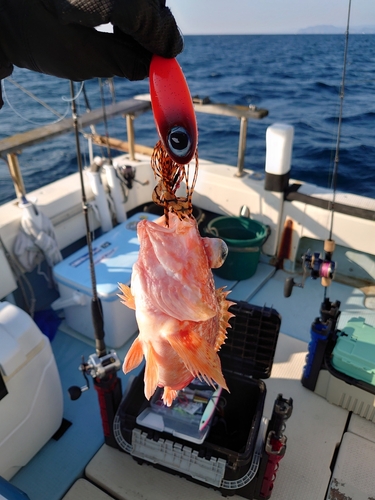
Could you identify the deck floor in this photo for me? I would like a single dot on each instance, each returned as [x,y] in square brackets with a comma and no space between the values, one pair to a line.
[314,430]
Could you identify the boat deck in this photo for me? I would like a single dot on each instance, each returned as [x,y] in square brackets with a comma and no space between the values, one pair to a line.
[79,465]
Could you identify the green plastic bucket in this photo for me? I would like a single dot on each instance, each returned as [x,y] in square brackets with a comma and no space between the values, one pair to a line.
[244,238]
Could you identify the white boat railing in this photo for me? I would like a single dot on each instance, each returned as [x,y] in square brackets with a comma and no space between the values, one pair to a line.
[11,146]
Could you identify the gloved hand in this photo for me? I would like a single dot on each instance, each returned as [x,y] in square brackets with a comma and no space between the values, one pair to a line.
[57,37]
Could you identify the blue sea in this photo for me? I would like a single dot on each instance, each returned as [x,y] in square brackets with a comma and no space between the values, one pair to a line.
[296,77]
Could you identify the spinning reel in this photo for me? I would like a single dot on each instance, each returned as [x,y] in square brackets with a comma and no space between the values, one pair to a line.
[97,368]
[315,267]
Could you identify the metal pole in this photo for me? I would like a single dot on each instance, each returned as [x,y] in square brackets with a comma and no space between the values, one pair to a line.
[242,147]
[130,132]
[15,173]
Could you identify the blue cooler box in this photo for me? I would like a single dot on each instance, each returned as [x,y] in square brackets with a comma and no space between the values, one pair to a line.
[115,252]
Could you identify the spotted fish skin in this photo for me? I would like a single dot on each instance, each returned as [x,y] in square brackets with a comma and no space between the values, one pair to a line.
[182,319]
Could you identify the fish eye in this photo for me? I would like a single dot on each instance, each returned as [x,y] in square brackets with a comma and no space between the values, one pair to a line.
[179,141]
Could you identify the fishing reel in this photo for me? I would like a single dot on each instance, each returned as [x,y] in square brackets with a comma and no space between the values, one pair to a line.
[316,267]
[98,368]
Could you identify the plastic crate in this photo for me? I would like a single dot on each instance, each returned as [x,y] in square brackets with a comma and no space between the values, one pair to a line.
[229,457]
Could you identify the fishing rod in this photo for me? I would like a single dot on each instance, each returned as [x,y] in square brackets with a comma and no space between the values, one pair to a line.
[312,263]
[337,151]
[323,329]
[101,366]
[96,307]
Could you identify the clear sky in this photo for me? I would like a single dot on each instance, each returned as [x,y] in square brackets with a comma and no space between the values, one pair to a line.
[267,16]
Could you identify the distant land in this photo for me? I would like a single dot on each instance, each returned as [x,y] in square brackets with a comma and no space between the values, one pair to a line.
[325,29]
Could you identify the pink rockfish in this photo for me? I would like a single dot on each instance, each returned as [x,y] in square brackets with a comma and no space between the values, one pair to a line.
[182,319]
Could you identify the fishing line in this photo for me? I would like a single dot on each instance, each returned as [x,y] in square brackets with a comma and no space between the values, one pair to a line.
[74,97]
[106,131]
[35,98]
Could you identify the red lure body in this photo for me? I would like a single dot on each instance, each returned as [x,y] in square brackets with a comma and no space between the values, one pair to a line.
[173,109]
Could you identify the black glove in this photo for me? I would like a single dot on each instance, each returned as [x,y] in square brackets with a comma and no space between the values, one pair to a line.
[57,37]
[149,22]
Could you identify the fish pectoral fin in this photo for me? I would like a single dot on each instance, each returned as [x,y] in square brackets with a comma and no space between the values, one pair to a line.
[169,395]
[151,372]
[127,297]
[216,250]
[134,356]
[199,357]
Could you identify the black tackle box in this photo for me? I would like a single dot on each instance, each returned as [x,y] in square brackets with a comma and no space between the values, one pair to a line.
[229,457]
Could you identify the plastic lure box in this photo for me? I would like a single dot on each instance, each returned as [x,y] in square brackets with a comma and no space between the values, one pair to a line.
[229,456]
[354,351]
[341,366]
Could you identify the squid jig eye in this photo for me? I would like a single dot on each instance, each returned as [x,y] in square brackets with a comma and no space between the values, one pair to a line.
[179,141]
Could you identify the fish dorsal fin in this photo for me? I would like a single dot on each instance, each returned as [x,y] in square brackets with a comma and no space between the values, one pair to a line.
[199,357]
[127,297]
[224,316]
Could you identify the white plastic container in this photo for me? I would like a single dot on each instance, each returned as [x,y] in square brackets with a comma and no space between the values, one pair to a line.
[279,145]
[115,253]
[279,142]
[100,199]
[117,195]
[31,400]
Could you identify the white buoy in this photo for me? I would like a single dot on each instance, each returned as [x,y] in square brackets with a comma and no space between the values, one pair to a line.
[279,144]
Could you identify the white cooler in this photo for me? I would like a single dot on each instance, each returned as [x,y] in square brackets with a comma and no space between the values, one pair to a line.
[115,252]
[31,400]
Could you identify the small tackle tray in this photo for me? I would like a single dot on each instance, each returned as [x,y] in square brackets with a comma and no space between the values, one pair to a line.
[354,351]
[340,363]
[229,456]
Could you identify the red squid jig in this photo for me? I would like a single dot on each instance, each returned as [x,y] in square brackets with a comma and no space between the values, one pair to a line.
[173,109]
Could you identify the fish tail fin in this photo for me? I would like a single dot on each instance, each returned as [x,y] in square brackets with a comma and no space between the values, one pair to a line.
[169,395]
[127,297]
[224,316]
[134,356]
[199,357]
[151,372]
